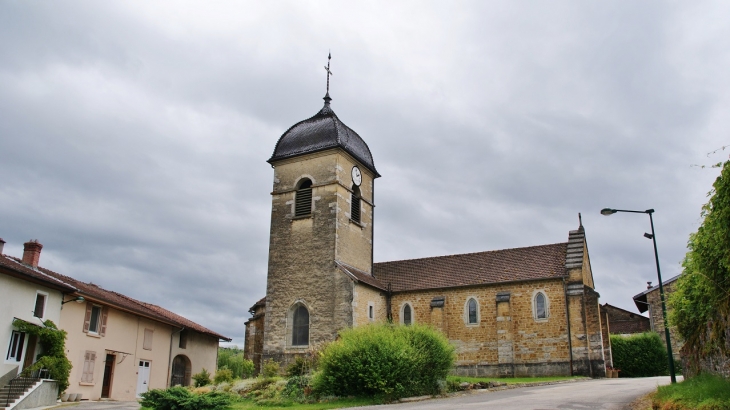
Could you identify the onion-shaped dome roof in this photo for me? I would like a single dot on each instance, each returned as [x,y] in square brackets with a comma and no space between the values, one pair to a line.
[320,132]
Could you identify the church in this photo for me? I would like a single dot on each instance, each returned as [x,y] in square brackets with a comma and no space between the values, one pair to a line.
[529,311]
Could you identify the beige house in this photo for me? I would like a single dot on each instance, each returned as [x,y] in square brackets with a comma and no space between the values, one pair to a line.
[514,312]
[121,347]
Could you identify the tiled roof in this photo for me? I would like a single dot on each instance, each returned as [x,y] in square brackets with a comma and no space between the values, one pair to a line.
[118,300]
[320,132]
[361,276]
[37,275]
[507,265]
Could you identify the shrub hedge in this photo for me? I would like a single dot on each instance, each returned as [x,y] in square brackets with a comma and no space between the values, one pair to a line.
[641,355]
[385,360]
[180,398]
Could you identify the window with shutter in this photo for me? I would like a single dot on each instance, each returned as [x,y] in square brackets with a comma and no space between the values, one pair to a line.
[147,344]
[104,316]
[87,374]
[355,204]
[95,316]
[40,305]
[303,199]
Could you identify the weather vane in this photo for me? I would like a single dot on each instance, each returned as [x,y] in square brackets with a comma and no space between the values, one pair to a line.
[329,73]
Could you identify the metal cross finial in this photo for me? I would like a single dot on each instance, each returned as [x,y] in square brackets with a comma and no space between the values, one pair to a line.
[329,73]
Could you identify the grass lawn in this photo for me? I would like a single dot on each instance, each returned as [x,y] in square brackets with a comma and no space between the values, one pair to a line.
[511,380]
[704,391]
[337,404]
[246,404]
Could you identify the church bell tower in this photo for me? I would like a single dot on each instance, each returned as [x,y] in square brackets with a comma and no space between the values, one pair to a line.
[321,219]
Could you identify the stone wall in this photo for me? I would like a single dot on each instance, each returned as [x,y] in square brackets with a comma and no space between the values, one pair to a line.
[653,298]
[364,297]
[702,356]
[508,340]
[254,338]
[625,322]
[303,250]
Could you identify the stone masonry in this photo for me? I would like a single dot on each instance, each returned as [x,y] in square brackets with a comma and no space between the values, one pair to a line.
[303,250]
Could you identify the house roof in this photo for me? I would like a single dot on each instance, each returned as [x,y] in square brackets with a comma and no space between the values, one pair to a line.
[123,302]
[320,132]
[17,268]
[640,299]
[507,265]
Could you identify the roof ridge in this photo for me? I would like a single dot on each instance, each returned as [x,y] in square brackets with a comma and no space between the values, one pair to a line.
[472,253]
[49,273]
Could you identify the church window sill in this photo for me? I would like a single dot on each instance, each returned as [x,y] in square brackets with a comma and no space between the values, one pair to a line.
[301,217]
[357,223]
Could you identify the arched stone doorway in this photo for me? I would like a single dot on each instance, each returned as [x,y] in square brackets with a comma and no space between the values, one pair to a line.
[180,371]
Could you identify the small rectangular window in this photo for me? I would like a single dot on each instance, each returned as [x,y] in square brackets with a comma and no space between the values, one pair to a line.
[15,350]
[87,374]
[40,305]
[147,344]
[183,339]
[370,312]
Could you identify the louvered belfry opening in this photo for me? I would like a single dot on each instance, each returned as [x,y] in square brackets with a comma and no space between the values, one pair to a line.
[355,204]
[303,199]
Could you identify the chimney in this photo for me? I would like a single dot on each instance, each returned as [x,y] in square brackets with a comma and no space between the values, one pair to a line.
[648,285]
[32,252]
[2,244]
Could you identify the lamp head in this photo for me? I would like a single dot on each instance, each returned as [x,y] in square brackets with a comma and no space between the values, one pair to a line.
[648,236]
[608,211]
[80,299]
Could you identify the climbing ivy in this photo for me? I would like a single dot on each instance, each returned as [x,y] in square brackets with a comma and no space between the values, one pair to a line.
[53,351]
[702,296]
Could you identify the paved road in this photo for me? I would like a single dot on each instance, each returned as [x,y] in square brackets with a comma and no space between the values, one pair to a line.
[604,394]
[590,394]
[102,405]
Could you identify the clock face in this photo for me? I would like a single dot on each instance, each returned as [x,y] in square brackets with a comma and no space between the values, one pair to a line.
[356,176]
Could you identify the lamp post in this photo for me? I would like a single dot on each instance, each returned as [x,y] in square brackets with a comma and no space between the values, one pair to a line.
[610,211]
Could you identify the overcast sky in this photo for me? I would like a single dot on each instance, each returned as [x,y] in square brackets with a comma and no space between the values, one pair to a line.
[134,134]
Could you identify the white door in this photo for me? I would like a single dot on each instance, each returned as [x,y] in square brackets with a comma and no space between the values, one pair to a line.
[143,377]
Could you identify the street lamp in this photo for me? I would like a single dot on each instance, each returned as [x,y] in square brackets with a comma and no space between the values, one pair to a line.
[610,211]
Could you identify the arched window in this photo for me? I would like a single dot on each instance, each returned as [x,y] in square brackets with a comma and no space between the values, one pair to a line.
[540,304]
[181,370]
[407,315]
[300,326]
[355,204]
[303,198]
[472,312]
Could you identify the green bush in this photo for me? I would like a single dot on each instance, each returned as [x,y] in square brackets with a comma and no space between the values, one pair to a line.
[232,358]
[384,361]
[53,351]
[270,368]
[302,365]
[180,398]
[202,378]
[641,355]
[223,375]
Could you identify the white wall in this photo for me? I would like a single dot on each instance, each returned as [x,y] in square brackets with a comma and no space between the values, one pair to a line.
[17,299]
